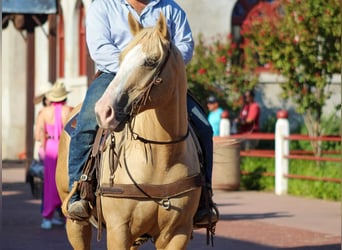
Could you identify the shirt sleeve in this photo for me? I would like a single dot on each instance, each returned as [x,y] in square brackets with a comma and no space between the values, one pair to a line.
[182,35]
[100,45]
[253,112]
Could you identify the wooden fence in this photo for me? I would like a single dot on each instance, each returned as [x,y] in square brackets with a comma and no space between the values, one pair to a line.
[282,153]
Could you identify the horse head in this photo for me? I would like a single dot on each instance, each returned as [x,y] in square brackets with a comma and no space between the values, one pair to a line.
[142,64]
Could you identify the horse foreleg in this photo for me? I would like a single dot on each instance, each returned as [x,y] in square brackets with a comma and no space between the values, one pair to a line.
[79,234]
[118,238]
[175,236]
[178,241]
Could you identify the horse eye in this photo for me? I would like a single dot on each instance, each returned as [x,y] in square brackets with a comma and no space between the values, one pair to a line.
[151,62]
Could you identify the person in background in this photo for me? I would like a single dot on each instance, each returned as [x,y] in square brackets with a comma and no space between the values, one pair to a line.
[37,166]
[45,103]
[108,33]
[49,126]
[248,120]
[214,116]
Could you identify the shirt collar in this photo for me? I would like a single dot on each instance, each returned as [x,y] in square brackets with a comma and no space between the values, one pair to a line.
[153,2]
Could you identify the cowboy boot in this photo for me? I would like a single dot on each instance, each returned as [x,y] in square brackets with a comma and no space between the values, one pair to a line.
[207,213]
[78,209]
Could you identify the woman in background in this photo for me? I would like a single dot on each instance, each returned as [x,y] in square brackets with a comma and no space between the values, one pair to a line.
[50,124]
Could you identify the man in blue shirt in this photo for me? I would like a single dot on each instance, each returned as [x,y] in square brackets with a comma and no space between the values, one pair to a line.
[107,34]
[214,116]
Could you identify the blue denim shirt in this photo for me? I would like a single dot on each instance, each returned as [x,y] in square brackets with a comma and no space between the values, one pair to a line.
[108,33]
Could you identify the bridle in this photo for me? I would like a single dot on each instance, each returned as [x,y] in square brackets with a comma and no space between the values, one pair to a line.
[156,80]
[142,99]
[144,140]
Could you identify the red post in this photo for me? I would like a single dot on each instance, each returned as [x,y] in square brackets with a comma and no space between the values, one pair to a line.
[30,71]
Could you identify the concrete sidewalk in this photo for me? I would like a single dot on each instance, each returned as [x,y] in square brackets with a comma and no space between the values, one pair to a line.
[249,220]
[302,213]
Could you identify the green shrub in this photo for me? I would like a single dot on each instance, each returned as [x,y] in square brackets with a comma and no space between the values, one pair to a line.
[315,189]
[258,167]
[330,126]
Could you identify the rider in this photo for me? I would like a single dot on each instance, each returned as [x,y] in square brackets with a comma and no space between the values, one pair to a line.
[108,33]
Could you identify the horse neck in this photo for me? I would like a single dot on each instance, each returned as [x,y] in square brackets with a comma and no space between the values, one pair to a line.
[164,123]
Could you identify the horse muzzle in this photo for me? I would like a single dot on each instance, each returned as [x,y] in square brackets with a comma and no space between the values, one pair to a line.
[108,118]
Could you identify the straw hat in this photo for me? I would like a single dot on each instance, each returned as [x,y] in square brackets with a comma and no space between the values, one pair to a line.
[57,93]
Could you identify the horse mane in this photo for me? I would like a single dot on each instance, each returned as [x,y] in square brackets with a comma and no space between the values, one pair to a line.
[156,41]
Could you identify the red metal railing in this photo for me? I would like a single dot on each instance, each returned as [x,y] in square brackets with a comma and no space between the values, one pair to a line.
[294,154]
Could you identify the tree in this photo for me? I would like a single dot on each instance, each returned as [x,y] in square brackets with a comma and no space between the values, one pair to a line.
[302,43]
[217,68]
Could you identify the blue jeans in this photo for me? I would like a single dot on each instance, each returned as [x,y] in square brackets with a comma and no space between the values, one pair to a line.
[83,136]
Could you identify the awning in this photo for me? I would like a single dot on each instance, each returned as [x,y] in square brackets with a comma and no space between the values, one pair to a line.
[29,6]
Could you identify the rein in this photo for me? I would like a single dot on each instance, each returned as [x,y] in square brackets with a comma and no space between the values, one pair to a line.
[144,140]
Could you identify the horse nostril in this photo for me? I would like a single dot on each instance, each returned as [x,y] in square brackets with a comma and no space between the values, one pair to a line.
[109,113]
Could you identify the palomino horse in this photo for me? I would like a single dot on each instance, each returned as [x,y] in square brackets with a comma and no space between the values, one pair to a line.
[150,180]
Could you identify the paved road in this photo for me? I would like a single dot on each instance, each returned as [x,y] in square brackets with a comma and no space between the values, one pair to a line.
[249,221]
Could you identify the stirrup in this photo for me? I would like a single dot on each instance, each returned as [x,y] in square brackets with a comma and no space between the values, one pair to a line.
[203,219]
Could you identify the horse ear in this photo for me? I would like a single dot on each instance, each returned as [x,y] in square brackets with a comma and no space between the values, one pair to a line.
[134,25]
[162,27]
